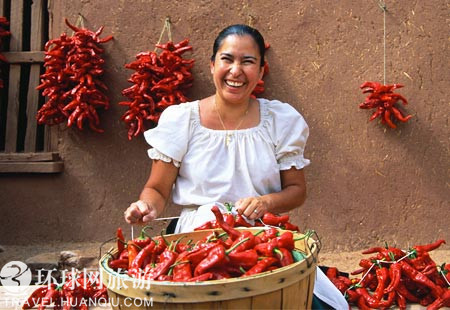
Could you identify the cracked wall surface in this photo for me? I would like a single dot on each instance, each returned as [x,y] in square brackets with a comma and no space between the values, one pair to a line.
[367,184]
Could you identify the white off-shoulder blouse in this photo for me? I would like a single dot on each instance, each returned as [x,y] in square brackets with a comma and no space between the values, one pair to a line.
[210,170]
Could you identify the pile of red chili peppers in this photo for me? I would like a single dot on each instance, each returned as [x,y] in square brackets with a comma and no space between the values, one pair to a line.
[393,275]
[3,33]
[383,99]
[237,220]
[233,253]
[159,81]
[78,291]
[71,82]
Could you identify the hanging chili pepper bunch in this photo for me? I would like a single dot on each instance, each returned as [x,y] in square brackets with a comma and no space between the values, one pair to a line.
[259,88]
[3,33]
[71,82]
[159,81]
[78,291]
[237,220]
[394,275]
[233,253]
[383,99]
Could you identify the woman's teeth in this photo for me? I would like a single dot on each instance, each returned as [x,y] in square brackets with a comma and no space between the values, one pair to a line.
[234,84]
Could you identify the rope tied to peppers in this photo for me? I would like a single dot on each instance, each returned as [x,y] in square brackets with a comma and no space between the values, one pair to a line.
[79,23]
[165,28]
[382,5]
[375,263]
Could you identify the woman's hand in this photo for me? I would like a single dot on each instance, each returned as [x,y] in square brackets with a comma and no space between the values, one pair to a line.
[140,212]
[252,207]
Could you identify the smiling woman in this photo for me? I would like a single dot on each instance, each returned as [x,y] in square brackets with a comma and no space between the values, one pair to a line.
[228,147]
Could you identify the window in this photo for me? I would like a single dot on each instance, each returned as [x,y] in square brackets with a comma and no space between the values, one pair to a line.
[25,146]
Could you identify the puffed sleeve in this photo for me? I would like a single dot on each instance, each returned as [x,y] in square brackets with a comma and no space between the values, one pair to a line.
[169,139]
[290,133]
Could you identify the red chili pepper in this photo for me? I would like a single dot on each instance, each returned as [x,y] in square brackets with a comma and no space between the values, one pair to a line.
[368,280]
[167,258]
[161,244]
[232,233]
[206,225]
[382,278]
[400,300]
[216,256]
[266,249]
[142,240]
[270,233]
[352,296]
[429,247]
[362,303]
[118,263]
[427,300]
[286,240]
[383,99]
[219,274]
[339,284]
[245,241]
[240,221]
[422,262]
[419,277]
[182,271]
[405,293]
[132,252]
[261,266]
[369,299]
[143,254]
[245,259]
[332,273]
[50,297]
[395,273]
[285,256]
[35,297]
[274,220]
[229,219]
[442,301]
[289,226]
[199,253]
[203,277]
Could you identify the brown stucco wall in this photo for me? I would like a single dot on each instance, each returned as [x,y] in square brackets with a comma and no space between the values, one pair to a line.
[367,183]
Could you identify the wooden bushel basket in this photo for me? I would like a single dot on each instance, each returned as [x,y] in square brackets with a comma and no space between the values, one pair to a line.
[289,287]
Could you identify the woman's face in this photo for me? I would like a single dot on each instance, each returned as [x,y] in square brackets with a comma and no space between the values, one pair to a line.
[236,68]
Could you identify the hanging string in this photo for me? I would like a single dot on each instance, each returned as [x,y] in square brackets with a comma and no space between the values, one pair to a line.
[166,27]
[382,5]
[79,23]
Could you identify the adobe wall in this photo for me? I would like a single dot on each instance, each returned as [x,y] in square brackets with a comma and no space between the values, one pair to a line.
[367,183]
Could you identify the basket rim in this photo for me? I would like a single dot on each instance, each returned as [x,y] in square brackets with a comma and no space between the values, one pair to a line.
[159,290]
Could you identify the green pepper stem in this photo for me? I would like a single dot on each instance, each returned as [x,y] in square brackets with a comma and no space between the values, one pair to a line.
[222,235]
[228,206]
[277,251]
[260,231]
[236,245]
[164,238]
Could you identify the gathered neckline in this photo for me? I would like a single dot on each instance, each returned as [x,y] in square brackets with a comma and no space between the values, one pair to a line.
[262,118]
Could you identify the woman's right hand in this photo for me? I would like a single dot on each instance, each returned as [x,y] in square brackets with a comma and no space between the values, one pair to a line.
[140,212]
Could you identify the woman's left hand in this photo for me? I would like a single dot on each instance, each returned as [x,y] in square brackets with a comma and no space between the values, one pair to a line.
[252,207]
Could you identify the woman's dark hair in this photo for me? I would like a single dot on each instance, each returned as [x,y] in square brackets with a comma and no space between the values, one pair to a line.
[240,30]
